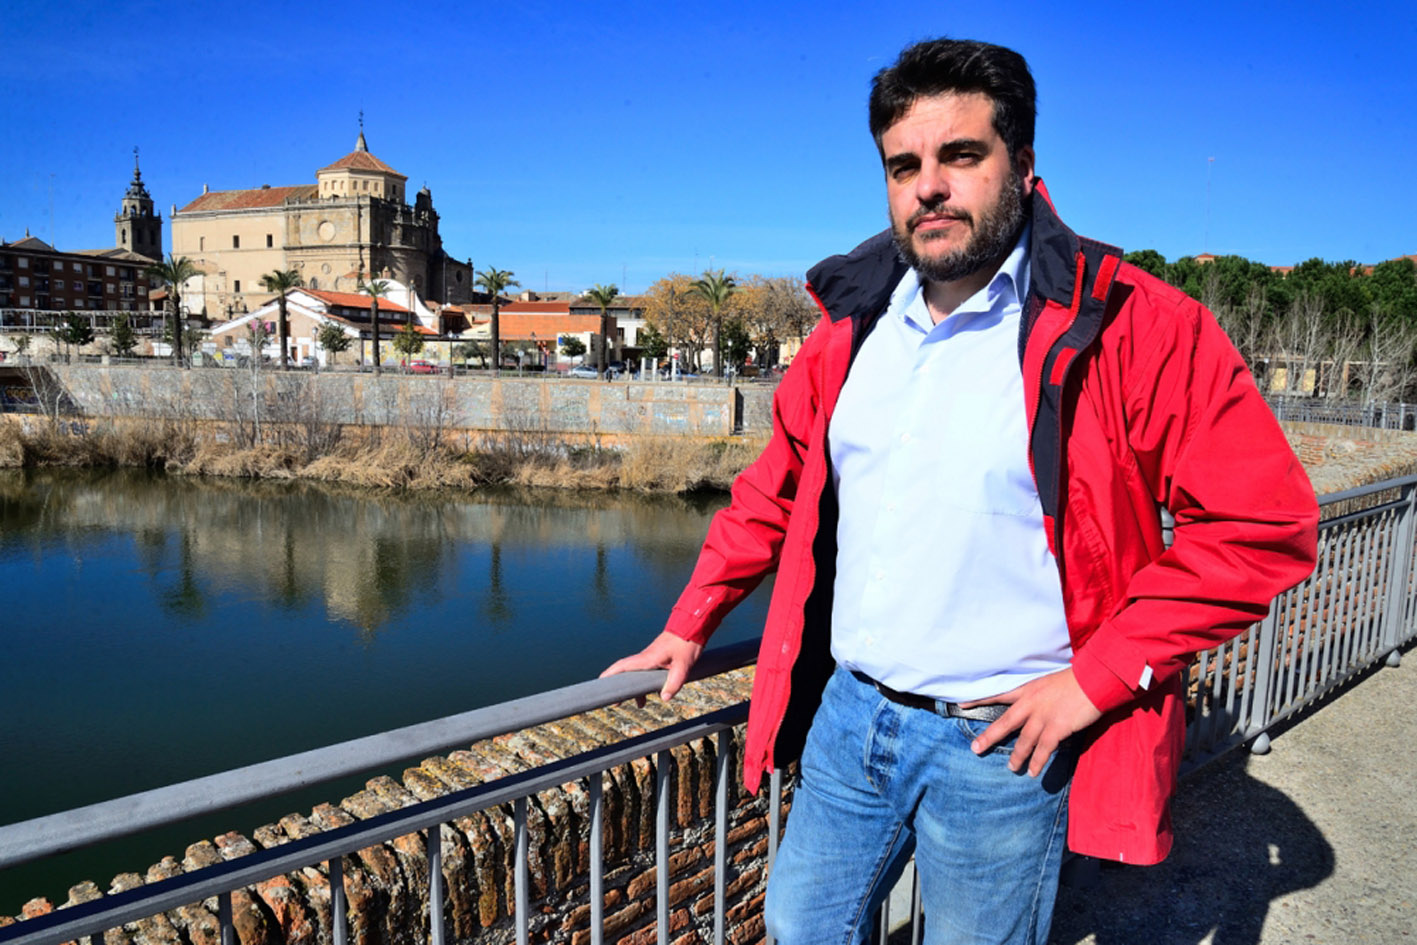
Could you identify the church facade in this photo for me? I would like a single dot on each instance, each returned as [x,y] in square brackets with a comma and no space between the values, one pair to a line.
[354,223]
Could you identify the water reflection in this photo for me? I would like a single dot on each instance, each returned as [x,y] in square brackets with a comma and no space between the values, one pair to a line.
[162,628]
[367,560]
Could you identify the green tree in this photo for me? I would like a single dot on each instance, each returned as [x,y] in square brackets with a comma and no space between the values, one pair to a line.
[123,337]
[1187,275]
[1393,284]
[494,282]
[573,347]
[282,282]
[1148,260]
[717,289]
[653,343]
[376,290]
[408,341]
[602,296]
[737,342]
[333,339]
[77,330]
[173,274]
[471,349]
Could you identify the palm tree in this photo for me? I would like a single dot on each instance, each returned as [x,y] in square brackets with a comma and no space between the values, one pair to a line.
[494,282]
[716,288]
[602,296]
[281,282]
[173,274]
[376,290]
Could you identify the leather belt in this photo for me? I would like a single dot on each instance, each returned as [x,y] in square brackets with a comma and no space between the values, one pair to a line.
[979,713]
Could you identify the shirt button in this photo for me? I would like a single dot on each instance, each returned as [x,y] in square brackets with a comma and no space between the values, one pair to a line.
[905,437]
[880,575]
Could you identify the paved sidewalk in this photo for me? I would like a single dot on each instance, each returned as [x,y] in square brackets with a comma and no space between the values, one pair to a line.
[1314,842]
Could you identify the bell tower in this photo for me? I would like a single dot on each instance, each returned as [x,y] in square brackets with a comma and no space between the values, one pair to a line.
[136,228]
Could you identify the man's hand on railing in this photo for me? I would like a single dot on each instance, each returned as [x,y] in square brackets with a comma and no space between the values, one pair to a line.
[666,651]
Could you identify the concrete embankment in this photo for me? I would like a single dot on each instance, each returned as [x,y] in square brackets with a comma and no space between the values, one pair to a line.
[472,404]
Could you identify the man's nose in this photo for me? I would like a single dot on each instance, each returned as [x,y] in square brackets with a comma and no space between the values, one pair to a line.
[932,185]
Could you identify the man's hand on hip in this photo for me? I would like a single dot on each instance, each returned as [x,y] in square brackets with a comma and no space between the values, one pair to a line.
[1043,712]
[666,651]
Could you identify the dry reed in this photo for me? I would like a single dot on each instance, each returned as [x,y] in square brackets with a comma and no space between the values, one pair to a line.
[662,464]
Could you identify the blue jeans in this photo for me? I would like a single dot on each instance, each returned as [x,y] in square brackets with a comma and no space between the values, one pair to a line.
[880,781]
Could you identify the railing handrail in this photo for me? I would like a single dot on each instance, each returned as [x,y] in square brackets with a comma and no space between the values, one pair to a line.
[85,826]
[1358,492]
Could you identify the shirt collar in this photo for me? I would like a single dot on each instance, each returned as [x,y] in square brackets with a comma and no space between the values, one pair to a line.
[1008,288]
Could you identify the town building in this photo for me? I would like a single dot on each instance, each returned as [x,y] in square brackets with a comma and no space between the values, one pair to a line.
[310,310]
[37,278]
[352,224]
[136,227]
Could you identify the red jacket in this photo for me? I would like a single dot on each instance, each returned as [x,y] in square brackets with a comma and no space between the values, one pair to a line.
[1136,401]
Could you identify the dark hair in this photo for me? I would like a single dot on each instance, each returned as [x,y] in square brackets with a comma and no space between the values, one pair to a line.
[938,66]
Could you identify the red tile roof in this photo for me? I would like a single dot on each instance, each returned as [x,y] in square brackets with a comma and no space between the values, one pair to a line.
[249,199]
[547,327]
[535,308]
[362,161]
[352,300]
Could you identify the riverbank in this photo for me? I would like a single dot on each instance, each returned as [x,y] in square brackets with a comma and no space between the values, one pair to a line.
[396,458]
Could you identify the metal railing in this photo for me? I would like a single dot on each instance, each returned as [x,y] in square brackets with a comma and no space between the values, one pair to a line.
[1355,610]
[1384,416]
[39,321]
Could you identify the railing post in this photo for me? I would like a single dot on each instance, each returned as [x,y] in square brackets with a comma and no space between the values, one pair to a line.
[339,918]
[1395,615]
[434,850]
[1263,659]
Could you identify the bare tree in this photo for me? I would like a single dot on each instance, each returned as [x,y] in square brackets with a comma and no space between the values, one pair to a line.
[1301,341]
[1387,371]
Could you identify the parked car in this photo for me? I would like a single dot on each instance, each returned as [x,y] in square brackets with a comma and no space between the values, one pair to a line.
[422,367]
[583,371]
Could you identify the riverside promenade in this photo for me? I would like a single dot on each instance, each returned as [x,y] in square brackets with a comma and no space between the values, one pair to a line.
[1314,842]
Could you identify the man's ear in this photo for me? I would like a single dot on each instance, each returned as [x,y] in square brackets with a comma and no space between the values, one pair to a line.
[1023,166]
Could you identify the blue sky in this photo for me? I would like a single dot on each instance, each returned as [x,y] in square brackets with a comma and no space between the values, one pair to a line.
[584,143]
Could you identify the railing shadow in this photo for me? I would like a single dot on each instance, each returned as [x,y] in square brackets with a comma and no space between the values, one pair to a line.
[1240,845]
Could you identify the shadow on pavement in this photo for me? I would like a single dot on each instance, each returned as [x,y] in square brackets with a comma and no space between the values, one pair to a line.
[1240,845]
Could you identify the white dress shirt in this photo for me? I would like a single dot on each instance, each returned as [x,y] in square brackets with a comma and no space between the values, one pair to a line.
[944,585]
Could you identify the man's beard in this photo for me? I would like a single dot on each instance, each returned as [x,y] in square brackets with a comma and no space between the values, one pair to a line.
[993,236]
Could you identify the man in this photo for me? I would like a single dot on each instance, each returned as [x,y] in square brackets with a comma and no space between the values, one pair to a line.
[962,496]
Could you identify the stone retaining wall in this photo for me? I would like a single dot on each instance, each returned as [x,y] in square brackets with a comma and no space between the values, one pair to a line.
[1342,457]
[387,885]
[464,404]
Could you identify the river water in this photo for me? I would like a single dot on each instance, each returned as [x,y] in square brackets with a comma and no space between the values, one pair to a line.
[157,629]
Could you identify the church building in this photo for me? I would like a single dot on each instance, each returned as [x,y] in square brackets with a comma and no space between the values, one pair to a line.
[354,223]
